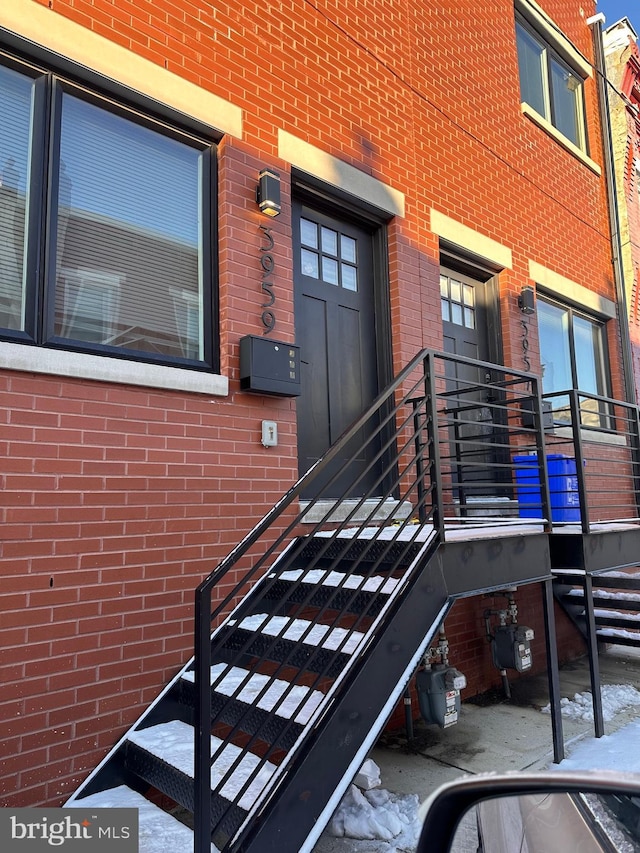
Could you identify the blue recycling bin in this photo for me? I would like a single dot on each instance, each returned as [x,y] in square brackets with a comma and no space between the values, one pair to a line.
[563,487]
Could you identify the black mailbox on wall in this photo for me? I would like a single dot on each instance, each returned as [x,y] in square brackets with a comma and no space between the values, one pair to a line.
[269,367]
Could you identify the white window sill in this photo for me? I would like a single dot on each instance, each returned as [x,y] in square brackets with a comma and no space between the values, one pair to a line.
[103,369]
[542,122]
[591,435]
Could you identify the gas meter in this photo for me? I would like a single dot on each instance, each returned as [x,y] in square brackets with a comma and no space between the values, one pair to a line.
[511,647]
[438,690]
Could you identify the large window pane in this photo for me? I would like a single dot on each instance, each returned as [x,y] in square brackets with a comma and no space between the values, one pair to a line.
[548,84]
[128,240]
[16,110]
[588,346]
[572,353]
[590,369]
[531,65]
[555,356]
[566,89]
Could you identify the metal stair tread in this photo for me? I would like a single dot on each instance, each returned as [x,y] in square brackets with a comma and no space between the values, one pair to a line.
[172,743]
[619,634]
[604,594]
[301,701]
[323,577]
[153,822]
[627,616]
[303,631]
[393,532]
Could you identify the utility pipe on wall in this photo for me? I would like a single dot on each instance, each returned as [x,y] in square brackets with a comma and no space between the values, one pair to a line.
[595,24]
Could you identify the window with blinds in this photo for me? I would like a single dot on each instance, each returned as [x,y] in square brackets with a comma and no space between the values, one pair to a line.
[127,266]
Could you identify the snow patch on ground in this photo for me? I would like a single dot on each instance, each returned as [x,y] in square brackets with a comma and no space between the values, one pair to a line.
[615,698]
[619,751]
[377,815]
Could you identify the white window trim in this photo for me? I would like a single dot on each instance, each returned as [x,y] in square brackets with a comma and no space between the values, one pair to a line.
[578,295]
[548,31]
[566,143]
[553,35]
[68,38]
[32,359]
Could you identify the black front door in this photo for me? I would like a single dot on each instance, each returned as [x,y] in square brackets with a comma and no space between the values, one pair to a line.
[476,436]
[336,331]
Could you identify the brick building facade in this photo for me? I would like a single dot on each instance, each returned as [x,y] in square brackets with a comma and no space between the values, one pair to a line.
[133,460]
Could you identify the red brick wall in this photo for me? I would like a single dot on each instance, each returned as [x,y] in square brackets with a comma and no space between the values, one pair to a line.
[117,500]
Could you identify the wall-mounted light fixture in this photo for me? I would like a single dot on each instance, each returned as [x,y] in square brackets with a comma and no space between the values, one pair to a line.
[268,192]
[527,300]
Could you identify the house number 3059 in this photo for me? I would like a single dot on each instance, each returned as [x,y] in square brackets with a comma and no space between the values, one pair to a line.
[267,264]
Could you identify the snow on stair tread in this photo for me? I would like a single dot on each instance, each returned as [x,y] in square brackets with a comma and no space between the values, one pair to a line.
[172,742]
[300,699]
[391,533]
[615,614]
[319,635]
[620,633]
[607,593]
[320,576]
[158,831]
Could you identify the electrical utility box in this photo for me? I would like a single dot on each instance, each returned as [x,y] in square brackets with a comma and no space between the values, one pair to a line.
[269,367]
[511,647]
[439,694]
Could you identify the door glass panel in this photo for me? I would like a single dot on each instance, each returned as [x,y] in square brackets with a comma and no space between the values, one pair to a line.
[347,248]
[457,301]
[308,233]
[349,281]
[329,270]
[336,261]
[310,264]
[329,242]
[16,97]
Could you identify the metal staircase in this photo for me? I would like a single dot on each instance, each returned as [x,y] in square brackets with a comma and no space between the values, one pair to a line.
[308,632]
[613,597]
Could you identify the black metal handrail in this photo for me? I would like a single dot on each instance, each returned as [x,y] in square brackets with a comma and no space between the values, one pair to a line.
[596,440]
[438,446]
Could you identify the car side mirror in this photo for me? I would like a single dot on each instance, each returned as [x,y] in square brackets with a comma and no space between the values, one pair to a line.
[550,811]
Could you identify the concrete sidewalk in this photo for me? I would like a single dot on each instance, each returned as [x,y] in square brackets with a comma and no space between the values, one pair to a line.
[499,736]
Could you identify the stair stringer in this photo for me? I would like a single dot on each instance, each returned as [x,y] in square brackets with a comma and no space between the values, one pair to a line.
[294,812]
[351,719]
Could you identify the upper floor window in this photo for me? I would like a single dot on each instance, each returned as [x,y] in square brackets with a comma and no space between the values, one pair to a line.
[104,233]
[551,85]
[573,356]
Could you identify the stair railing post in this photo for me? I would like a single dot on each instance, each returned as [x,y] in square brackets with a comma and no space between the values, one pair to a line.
[435,468]
[541,452]
[594,663]
[576,421]
[634,418]
[419,448]
[553,675]
[202,723]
